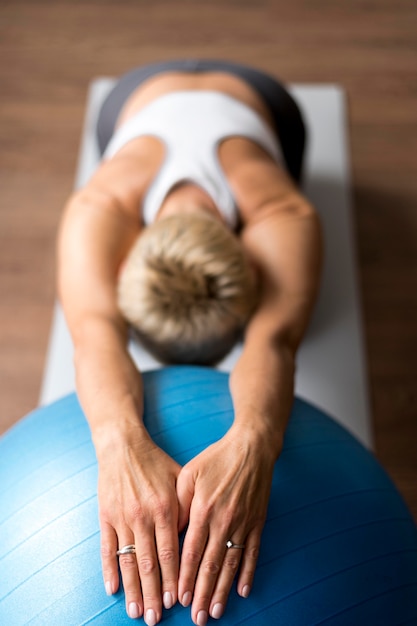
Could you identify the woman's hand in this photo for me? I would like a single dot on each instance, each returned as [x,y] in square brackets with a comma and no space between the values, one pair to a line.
[223,493]
[138,505]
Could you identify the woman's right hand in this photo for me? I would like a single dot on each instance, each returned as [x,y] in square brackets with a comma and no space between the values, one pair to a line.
[138,505]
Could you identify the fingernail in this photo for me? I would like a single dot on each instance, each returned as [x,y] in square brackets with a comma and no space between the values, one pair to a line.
[133,610]
[186,598]
[217,611]
[109,588]
[168,600]
[202,618]
[150,617]
[246,591]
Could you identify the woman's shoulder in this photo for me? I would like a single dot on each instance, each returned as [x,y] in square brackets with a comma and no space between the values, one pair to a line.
[256,179]
[128,174]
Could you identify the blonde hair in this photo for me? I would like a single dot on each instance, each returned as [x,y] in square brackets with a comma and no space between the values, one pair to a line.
[187,289]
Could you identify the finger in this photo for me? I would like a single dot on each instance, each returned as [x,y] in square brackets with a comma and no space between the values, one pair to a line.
[166,533]
[227,574]
[149,573]
[249,561]
[130,577]
[109,559]
[192,553]
[185,494]
[208,573]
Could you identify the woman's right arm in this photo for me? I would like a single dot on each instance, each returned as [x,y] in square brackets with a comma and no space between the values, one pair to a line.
[137,498]
[95,235]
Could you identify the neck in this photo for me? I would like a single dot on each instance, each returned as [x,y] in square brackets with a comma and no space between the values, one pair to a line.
[188,198]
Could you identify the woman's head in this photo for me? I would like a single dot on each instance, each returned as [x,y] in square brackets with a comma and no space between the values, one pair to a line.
[187,289]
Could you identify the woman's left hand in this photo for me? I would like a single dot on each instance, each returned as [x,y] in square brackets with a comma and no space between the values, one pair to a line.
[223,494]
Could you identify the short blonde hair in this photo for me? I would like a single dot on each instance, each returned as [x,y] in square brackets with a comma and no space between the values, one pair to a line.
[187,289]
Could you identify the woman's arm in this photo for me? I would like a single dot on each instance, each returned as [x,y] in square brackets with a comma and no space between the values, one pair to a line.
[137,499]
[284,242]
[282,236]
[226,489]
[94,237]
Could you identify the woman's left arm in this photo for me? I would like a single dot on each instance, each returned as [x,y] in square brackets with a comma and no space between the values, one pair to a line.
[284,243]
[224,491]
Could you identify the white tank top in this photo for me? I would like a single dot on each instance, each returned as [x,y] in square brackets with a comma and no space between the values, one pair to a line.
[191,125]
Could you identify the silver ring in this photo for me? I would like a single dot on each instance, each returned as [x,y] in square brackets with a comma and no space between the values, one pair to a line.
[130,549]
[239,546]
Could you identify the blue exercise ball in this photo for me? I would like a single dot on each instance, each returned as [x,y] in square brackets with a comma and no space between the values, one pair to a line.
[339,546]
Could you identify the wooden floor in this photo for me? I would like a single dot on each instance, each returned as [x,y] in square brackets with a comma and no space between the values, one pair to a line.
[50,50]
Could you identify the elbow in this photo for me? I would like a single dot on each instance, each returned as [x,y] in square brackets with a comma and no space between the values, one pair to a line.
[98,333]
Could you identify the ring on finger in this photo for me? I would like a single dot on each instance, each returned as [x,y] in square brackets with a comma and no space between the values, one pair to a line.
[130,549]
[238,546]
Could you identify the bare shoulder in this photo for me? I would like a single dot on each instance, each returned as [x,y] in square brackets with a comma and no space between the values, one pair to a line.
[127,175]
[261,186]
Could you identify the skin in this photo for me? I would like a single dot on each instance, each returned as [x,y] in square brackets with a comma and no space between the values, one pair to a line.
[145,497]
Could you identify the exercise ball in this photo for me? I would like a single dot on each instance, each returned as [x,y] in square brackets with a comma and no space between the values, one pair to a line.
[339,546]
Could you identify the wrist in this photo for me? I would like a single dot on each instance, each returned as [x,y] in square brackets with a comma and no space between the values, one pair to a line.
[258,433]
[117,434]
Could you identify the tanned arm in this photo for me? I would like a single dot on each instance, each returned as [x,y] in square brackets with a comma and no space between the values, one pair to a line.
[136,491]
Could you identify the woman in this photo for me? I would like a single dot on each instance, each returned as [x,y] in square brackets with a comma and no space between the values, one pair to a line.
[189,140]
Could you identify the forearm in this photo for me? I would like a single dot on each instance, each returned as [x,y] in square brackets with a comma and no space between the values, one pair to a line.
[108,383]
[262,388]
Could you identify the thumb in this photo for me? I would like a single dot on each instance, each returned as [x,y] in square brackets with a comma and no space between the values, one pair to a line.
[185,494]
